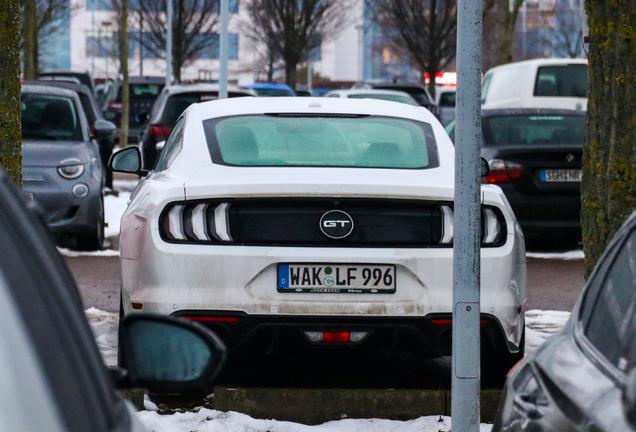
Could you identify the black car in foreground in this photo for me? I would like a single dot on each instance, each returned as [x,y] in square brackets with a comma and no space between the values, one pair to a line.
[535,157]
[584,377]
[52,376]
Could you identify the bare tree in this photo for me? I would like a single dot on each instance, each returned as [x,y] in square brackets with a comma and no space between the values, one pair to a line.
[193,26]
[423,30]
[569,25]
[10,137]
[509,13]
[30,37]
[290,29]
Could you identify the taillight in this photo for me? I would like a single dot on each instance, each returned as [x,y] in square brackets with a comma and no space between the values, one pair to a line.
[337,337]
[197,222]
[503,171]
[493,226]
[114,105]
[161,132]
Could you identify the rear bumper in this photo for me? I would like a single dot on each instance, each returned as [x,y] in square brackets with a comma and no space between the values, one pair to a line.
[248,335]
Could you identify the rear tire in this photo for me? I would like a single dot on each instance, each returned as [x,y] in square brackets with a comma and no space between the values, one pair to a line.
[95,239]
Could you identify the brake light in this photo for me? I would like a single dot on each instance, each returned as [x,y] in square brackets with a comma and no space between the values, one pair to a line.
[160,131]
[114,105]
[339,337]
[336,336]
[503,171]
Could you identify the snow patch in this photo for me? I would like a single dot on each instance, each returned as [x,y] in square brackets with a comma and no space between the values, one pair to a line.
[207,420]
[105,326]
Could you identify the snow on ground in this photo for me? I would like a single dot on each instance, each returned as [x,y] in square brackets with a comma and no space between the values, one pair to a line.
[114,207]
[73,253]
[571,255]
[540,325]
[206,420]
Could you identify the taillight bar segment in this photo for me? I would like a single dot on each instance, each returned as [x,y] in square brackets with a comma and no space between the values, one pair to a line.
[197,222]
[493,226]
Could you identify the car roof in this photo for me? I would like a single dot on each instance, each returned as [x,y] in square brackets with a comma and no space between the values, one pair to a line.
[530,111]
[268,86]
[371,91]
[186,88]
[146,80]
[540,62]
[79,88]
[48,89]
[312,105]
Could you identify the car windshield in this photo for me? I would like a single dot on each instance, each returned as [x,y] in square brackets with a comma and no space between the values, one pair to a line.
[272,92]
[387,97]
[561,81]
[49,117]
[321,141]
[447,99]
[534,129]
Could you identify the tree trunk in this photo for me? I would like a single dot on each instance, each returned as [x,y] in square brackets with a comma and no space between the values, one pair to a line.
[123,70]
[290,73]
[30,31]
[36,53]
[10,129]
[608,190]
[508,30]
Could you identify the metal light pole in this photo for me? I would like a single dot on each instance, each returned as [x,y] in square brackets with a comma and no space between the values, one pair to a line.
[141,45]
[223,50]
[309,76]
[465,381]
[169,43]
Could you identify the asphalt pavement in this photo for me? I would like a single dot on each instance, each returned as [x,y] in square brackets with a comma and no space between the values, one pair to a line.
[552,284]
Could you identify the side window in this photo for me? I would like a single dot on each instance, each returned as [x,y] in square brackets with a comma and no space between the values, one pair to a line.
[612,309]
[484,88]
[172,148]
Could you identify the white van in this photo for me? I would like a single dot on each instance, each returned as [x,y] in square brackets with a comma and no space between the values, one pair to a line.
[540,83]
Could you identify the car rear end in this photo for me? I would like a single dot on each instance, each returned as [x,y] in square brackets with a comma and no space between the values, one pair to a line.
[535,156]
[345,256]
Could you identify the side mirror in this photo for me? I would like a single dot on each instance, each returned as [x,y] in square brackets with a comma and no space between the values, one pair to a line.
[104,129]
[141,117]
[485,168]
[159,146]
[163,354]
[127,160]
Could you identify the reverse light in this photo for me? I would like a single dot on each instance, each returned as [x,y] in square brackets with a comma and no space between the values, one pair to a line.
[503,171]
[337,337]
[202,222]
[70,168]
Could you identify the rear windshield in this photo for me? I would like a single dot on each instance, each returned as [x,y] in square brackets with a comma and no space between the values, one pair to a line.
[50,118]
[143,91]
[387,97]
[321,141]
[447,99]
[561,81]
[272,92]
[178,103]
[534,129]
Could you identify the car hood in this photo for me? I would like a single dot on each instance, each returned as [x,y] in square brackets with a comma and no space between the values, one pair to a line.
[218,180]
[51,153]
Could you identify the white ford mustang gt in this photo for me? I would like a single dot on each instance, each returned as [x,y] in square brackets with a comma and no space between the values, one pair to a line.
[324,221]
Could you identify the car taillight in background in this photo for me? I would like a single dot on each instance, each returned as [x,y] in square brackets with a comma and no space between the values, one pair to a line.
[161,132]
[114,105]
[503,171]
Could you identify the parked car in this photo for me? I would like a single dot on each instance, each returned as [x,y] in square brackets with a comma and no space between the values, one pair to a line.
[83,77]
[52,376]
[388,95]
[144,91]
[583,377]
[535,156]
[416,90]
[314,225]
[445,100]
[271,89]
[169,106]
[61,164]
[90,105]
[540,83]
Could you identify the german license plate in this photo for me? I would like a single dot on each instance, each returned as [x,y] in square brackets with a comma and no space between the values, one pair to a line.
[337,278]
[561,175]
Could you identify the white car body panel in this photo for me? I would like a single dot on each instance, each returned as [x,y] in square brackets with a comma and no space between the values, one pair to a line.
[168,277]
